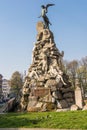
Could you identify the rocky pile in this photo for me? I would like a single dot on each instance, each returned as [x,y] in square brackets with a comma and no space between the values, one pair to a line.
[46,87]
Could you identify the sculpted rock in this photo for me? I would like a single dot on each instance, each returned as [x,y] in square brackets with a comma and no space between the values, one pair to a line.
[46,87]
[51,82]
[85,107]
[57,95]
[74,107]
[40,26]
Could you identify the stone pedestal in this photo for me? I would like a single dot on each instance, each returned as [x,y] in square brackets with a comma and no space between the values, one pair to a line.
[46,86]
[78,95]
[40,26]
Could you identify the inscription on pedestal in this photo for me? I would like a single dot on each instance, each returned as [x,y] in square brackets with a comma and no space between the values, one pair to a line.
[40,92]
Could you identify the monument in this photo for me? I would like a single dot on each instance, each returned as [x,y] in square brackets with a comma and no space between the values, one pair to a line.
[46,86]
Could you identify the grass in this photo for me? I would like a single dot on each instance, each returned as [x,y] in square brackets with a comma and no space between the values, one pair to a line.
[61,120]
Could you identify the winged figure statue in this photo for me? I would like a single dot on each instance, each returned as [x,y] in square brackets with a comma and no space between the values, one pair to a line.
[44,16]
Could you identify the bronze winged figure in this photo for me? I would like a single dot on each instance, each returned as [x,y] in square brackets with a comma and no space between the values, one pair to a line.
[44,16]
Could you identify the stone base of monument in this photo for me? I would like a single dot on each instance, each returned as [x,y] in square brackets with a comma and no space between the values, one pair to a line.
[74,107]
[45,99]
[85,107]
[46,86]
[63,110]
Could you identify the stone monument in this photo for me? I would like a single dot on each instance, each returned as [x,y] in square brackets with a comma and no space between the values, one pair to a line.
[78,95]
[46,86]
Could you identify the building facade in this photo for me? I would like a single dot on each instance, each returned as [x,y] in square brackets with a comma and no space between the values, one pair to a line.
[1,85]
[5,88]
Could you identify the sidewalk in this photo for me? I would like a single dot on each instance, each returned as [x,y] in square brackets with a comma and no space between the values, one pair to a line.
[27,129]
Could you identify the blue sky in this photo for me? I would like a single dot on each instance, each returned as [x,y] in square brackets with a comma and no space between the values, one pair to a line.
[18,20]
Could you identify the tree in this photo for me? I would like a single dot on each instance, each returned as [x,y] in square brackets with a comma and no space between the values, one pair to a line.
[65,66]
[77,69]
[16,83]
[71,69]
[82,73]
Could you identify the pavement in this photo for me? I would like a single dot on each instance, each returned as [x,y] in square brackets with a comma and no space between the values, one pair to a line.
[26,129]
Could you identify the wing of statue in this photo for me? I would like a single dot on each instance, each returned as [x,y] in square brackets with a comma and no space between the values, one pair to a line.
[48,5]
